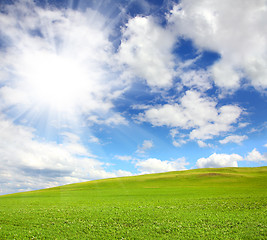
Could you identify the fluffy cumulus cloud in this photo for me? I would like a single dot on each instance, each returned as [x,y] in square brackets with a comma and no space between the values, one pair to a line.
[234,30]
[154,165]
[146,50]
[28,163]
[202,144]
[229,160]
[59,59]
[108,119]
[256,156]
[177,139]
[219,160]
[147,47]
[94,139]
[196,79]
[194,112]
[124,157]
[234,138]
[147,144]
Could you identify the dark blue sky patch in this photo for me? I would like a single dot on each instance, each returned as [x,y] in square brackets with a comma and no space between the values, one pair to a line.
[185,49]
[4,42]
[137,8]
[75,4]
[207,59]
[156,2]
[36,33]
[253,105]
[6,2]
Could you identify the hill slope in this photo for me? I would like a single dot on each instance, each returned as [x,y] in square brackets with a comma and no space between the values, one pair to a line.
[222,203]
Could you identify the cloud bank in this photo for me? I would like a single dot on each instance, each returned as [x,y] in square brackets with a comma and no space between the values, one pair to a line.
[29,163]
[195,112]
[219,160]
[154,165]
[243,51]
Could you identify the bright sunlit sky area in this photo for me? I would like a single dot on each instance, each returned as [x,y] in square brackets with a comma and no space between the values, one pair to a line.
[108,88]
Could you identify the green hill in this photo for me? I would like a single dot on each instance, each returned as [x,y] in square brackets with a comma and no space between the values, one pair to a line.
[221,203]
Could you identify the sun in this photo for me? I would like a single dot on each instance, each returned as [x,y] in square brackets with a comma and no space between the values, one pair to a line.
[55,81]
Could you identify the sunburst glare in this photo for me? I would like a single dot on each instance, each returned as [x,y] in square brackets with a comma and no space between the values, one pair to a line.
[54,81]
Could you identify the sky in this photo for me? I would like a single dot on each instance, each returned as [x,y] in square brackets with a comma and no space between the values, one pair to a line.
[103,88]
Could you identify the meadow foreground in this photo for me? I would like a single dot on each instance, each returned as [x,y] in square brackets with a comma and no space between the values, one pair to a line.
[224,203]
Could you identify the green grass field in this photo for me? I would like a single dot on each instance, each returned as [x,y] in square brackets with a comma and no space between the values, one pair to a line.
[224,203]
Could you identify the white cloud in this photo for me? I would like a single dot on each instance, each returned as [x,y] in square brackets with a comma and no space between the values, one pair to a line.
[139,106]
[60,59]
[147,144]
[122,173]
[124,158]
[94,139]
[196,112]
[243,124]
[256,156]
[226,76]
[234,138]
[238,36]
[113,119]
[203,144]
[200,79]
[146,50]
[193,110]
[153,165]
[28,163]
[177,141]
[73,145]
[219,160]
[227,116]
[70,137]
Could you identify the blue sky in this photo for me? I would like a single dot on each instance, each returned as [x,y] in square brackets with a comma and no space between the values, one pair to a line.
[99,89]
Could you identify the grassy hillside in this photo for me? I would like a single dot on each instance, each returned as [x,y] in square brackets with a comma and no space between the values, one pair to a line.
[225,203]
